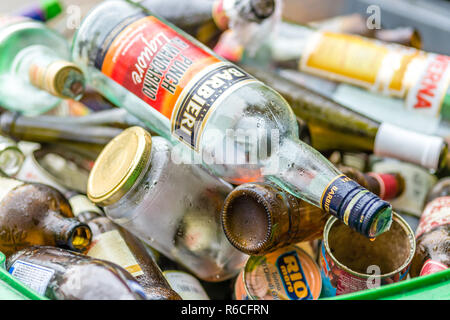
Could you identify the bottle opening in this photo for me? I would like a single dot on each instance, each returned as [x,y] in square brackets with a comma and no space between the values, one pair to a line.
[80,238]
[246,222]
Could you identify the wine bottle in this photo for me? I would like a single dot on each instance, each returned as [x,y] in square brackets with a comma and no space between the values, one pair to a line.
[204,105]
[35,69]
[334,126]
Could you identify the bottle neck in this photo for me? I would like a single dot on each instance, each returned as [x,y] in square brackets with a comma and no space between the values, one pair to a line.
[43,68]
[68,232]
[83,209]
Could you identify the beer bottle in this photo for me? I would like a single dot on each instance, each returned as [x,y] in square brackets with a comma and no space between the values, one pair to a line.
[37,129]
[205,105]
[334,126]
[35,72]
[433,234]
[112,243]
[37,214]
[259,218]
[387,186]
[66,275]
[173,207]
[385,68]
[357,24]
[207,19]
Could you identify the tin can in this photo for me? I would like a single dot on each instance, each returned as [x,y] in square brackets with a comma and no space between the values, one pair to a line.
[351,262]
[285,274]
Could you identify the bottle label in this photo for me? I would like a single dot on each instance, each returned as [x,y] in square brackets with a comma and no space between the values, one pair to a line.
[436,213]
[112,247]
[363,62]
[172,75]
[32,275]
[388,184]
[335,193]
[186,285]
[7,185]
[293,277]
[80,203]
[418,182]
[427,94]
[431,266]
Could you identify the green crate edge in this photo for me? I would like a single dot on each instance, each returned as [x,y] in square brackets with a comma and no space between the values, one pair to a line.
[435,286]
[15,286]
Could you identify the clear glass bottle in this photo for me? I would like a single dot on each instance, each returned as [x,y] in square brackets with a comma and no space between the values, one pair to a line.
[11,157]
[35,69]
[210,105]
[173,208]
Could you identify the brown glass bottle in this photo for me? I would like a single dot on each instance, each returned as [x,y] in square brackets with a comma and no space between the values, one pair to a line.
[259,218]
[112,243]
[433,233]
[385,185]
[65,275]
[37,214]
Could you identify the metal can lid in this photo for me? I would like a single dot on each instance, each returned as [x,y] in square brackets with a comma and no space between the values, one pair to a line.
[119,165]
[286,274]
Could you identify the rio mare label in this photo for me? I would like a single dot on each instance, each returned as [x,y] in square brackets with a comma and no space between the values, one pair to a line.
[172,75]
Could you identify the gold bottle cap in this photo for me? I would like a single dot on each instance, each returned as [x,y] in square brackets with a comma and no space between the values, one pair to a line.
[119,165]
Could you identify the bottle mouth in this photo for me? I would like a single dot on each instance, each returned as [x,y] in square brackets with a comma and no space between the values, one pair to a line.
[80,238]
[73,84]
[381,222]
[246,221]
[262,9]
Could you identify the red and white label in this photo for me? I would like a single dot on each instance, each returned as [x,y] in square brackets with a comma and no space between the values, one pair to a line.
[436,213]
[348,283]
[427,94]
[431,266]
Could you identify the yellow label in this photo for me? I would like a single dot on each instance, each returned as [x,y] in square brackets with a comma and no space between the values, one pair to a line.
[359,61]
[110,246]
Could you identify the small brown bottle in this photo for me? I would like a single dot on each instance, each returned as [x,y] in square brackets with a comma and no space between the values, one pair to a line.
[433,233]
[37,214]
[259,218]
[112,243]
[65,275]
[385,185]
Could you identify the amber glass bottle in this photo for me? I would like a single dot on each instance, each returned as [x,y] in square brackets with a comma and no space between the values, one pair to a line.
[37,214]
[64,275]
[433,233]
[259,218]
[112,243]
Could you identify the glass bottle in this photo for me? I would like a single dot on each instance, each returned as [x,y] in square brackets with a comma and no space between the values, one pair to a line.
[11,157]
[209,105]
[66,275]
[112,243]
[259,218]
[174,208]
[43,129]
[420,79]
[433,233]
[334,126]
[207,19]
[37,214]
[35,72]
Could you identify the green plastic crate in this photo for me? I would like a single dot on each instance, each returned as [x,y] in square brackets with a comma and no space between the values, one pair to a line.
[11,289]
[435,286]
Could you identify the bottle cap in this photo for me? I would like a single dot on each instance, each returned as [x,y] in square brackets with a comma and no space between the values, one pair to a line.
[61,78]
[425,150]
[258,218]
[119,165]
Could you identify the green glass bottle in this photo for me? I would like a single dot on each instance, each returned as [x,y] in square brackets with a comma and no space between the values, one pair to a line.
[35,68]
